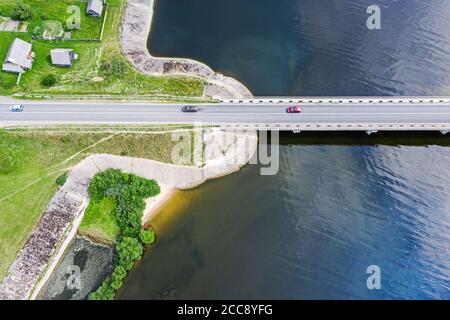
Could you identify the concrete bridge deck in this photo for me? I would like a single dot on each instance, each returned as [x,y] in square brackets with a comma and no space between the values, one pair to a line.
[368,114]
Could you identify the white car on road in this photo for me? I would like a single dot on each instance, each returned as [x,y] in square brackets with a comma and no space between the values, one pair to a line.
[16,108]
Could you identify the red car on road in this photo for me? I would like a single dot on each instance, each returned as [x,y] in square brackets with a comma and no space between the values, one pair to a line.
[294,110]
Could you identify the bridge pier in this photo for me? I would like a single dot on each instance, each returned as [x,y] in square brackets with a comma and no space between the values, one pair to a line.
[444,131]
[369,132]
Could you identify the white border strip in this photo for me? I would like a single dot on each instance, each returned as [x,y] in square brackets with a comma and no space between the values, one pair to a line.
[338,100]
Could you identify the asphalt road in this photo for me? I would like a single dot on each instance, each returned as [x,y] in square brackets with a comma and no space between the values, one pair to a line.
[45,113]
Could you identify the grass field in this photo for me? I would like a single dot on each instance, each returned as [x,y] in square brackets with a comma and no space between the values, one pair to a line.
[99,221]
[30,162]
[46,10]
[88,75]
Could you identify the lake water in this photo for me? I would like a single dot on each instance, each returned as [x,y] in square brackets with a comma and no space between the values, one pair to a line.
[312,47]
[310,231]
[338,204]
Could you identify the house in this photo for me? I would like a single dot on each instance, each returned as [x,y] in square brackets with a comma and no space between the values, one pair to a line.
[19,57]
[62,57]
[94,8]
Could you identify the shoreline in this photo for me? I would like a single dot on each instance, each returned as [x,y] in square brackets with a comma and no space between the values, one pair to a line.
[55,260]
[62,265]
[134,32]
[155,204]
[59,222]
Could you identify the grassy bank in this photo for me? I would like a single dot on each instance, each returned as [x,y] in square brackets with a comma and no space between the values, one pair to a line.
[124,194]
[100,68]
[99,221]
[32,160]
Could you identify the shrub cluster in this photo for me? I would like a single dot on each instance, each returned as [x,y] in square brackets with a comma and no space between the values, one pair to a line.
[147,236]
[129,192]
[49,80]
[62,179]
[21,12]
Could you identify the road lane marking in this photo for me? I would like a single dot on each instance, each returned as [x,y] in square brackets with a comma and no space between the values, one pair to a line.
[227,113]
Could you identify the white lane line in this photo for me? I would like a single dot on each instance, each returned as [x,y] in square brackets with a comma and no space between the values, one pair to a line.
[234,113]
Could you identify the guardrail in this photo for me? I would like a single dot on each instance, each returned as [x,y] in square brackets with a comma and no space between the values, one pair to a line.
[338,100]
[443,128]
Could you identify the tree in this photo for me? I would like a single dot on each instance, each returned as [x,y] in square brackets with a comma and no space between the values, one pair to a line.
[48,80]
[128,251]
[129,192]
[147,236]
[104,292]
[117,277]
[21,12]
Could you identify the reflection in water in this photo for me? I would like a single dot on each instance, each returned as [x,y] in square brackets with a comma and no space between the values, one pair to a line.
[310,231]
[308,47]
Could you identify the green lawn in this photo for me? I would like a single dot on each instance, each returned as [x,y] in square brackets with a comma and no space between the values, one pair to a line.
[46,10]
[30,162]
[99,221]
[87,76]
[7,80]
[29,166]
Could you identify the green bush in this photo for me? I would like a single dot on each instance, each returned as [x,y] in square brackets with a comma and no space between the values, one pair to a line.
[117,277]
[104,292]
[129,250]
[21,12]
[147,236]
[49,80]
[61,179]
[129,192]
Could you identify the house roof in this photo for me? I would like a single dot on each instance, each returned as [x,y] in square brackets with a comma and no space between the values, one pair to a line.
[62,56]
[11,67]
[95,6]
[20,54]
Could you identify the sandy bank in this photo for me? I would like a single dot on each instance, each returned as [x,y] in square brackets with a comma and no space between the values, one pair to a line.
[224,153]
[135,29]
[153,205]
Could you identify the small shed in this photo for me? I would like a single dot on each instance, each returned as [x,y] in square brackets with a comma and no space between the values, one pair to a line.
[62,57]
[94,8]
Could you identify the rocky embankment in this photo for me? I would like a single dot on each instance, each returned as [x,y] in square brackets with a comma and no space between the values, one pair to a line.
[223,153]
[134,33]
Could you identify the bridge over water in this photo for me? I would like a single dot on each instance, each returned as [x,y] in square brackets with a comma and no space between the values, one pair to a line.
[369,114]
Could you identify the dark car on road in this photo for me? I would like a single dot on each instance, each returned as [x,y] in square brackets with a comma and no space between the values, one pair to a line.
[189,109]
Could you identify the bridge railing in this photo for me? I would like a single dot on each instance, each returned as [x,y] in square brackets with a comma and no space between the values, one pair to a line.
[369,128]
[338,100]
